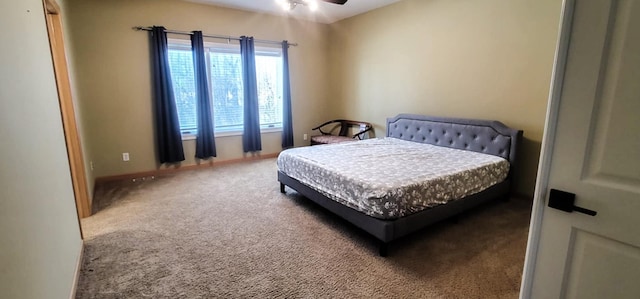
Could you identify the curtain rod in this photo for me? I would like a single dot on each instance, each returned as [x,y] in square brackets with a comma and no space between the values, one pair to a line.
[263,41]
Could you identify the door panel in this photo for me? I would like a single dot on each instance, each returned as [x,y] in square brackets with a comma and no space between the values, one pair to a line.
[596,155]
[618,96]
[602,268]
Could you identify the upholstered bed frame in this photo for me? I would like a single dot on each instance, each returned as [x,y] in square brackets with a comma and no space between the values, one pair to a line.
[490,137]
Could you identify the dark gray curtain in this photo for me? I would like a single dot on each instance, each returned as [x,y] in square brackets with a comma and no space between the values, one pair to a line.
[205,141]
[168,137]
[287,124]
[251,134]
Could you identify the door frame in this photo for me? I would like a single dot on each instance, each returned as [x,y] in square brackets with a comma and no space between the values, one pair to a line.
[63,84]
[548,142]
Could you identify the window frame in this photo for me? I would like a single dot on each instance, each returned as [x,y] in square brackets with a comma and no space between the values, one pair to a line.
[232,48]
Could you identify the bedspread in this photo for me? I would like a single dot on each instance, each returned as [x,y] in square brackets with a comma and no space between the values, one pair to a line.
[390,178]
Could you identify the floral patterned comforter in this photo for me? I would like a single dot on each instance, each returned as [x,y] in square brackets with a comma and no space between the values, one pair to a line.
[390,178]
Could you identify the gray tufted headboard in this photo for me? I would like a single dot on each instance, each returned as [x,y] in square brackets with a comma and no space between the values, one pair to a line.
[483,136]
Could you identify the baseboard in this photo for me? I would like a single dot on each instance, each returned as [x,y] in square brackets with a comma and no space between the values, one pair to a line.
[174,169]
[76,275]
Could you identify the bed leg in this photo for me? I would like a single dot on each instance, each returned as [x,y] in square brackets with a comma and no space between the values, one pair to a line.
[383,250]
[282,188]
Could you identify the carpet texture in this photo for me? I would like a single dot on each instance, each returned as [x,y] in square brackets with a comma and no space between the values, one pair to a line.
[228,232]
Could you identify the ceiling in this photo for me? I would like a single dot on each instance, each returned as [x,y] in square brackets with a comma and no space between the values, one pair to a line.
[326,13]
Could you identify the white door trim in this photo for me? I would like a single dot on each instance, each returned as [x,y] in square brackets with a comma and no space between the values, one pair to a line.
[544,166]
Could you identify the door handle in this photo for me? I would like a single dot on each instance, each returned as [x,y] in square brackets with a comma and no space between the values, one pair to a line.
[565,201]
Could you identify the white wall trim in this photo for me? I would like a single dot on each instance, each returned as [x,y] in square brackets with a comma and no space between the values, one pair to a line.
[548,140]
[76,275]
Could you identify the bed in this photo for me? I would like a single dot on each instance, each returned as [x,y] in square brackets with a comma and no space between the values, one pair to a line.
[424,170]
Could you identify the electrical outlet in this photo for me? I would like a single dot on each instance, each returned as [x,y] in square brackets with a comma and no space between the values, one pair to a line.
[305,136]
[125,157]
[91,165]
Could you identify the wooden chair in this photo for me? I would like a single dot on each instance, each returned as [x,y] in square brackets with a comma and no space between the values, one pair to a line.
[343,135]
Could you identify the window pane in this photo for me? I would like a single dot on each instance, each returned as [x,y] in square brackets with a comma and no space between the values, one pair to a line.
[181,66]
[227,91]
[269,75]
[226,87]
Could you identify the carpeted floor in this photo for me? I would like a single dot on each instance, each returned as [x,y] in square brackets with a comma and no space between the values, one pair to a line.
[228,232]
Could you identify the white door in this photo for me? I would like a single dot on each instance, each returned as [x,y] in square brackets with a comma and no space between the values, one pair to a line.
[592,149]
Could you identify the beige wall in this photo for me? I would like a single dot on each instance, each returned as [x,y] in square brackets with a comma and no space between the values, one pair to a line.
[488,59]
[112,68]
[39,233]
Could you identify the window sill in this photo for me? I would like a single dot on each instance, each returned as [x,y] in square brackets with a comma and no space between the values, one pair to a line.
[188,137]
[232,133]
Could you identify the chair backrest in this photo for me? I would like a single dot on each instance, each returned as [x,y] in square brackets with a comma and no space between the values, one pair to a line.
[345,126]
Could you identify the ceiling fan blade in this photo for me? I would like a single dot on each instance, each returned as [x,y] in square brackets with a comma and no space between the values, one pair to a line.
[341,2]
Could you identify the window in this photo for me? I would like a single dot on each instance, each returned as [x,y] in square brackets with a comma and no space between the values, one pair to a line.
[224,68]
